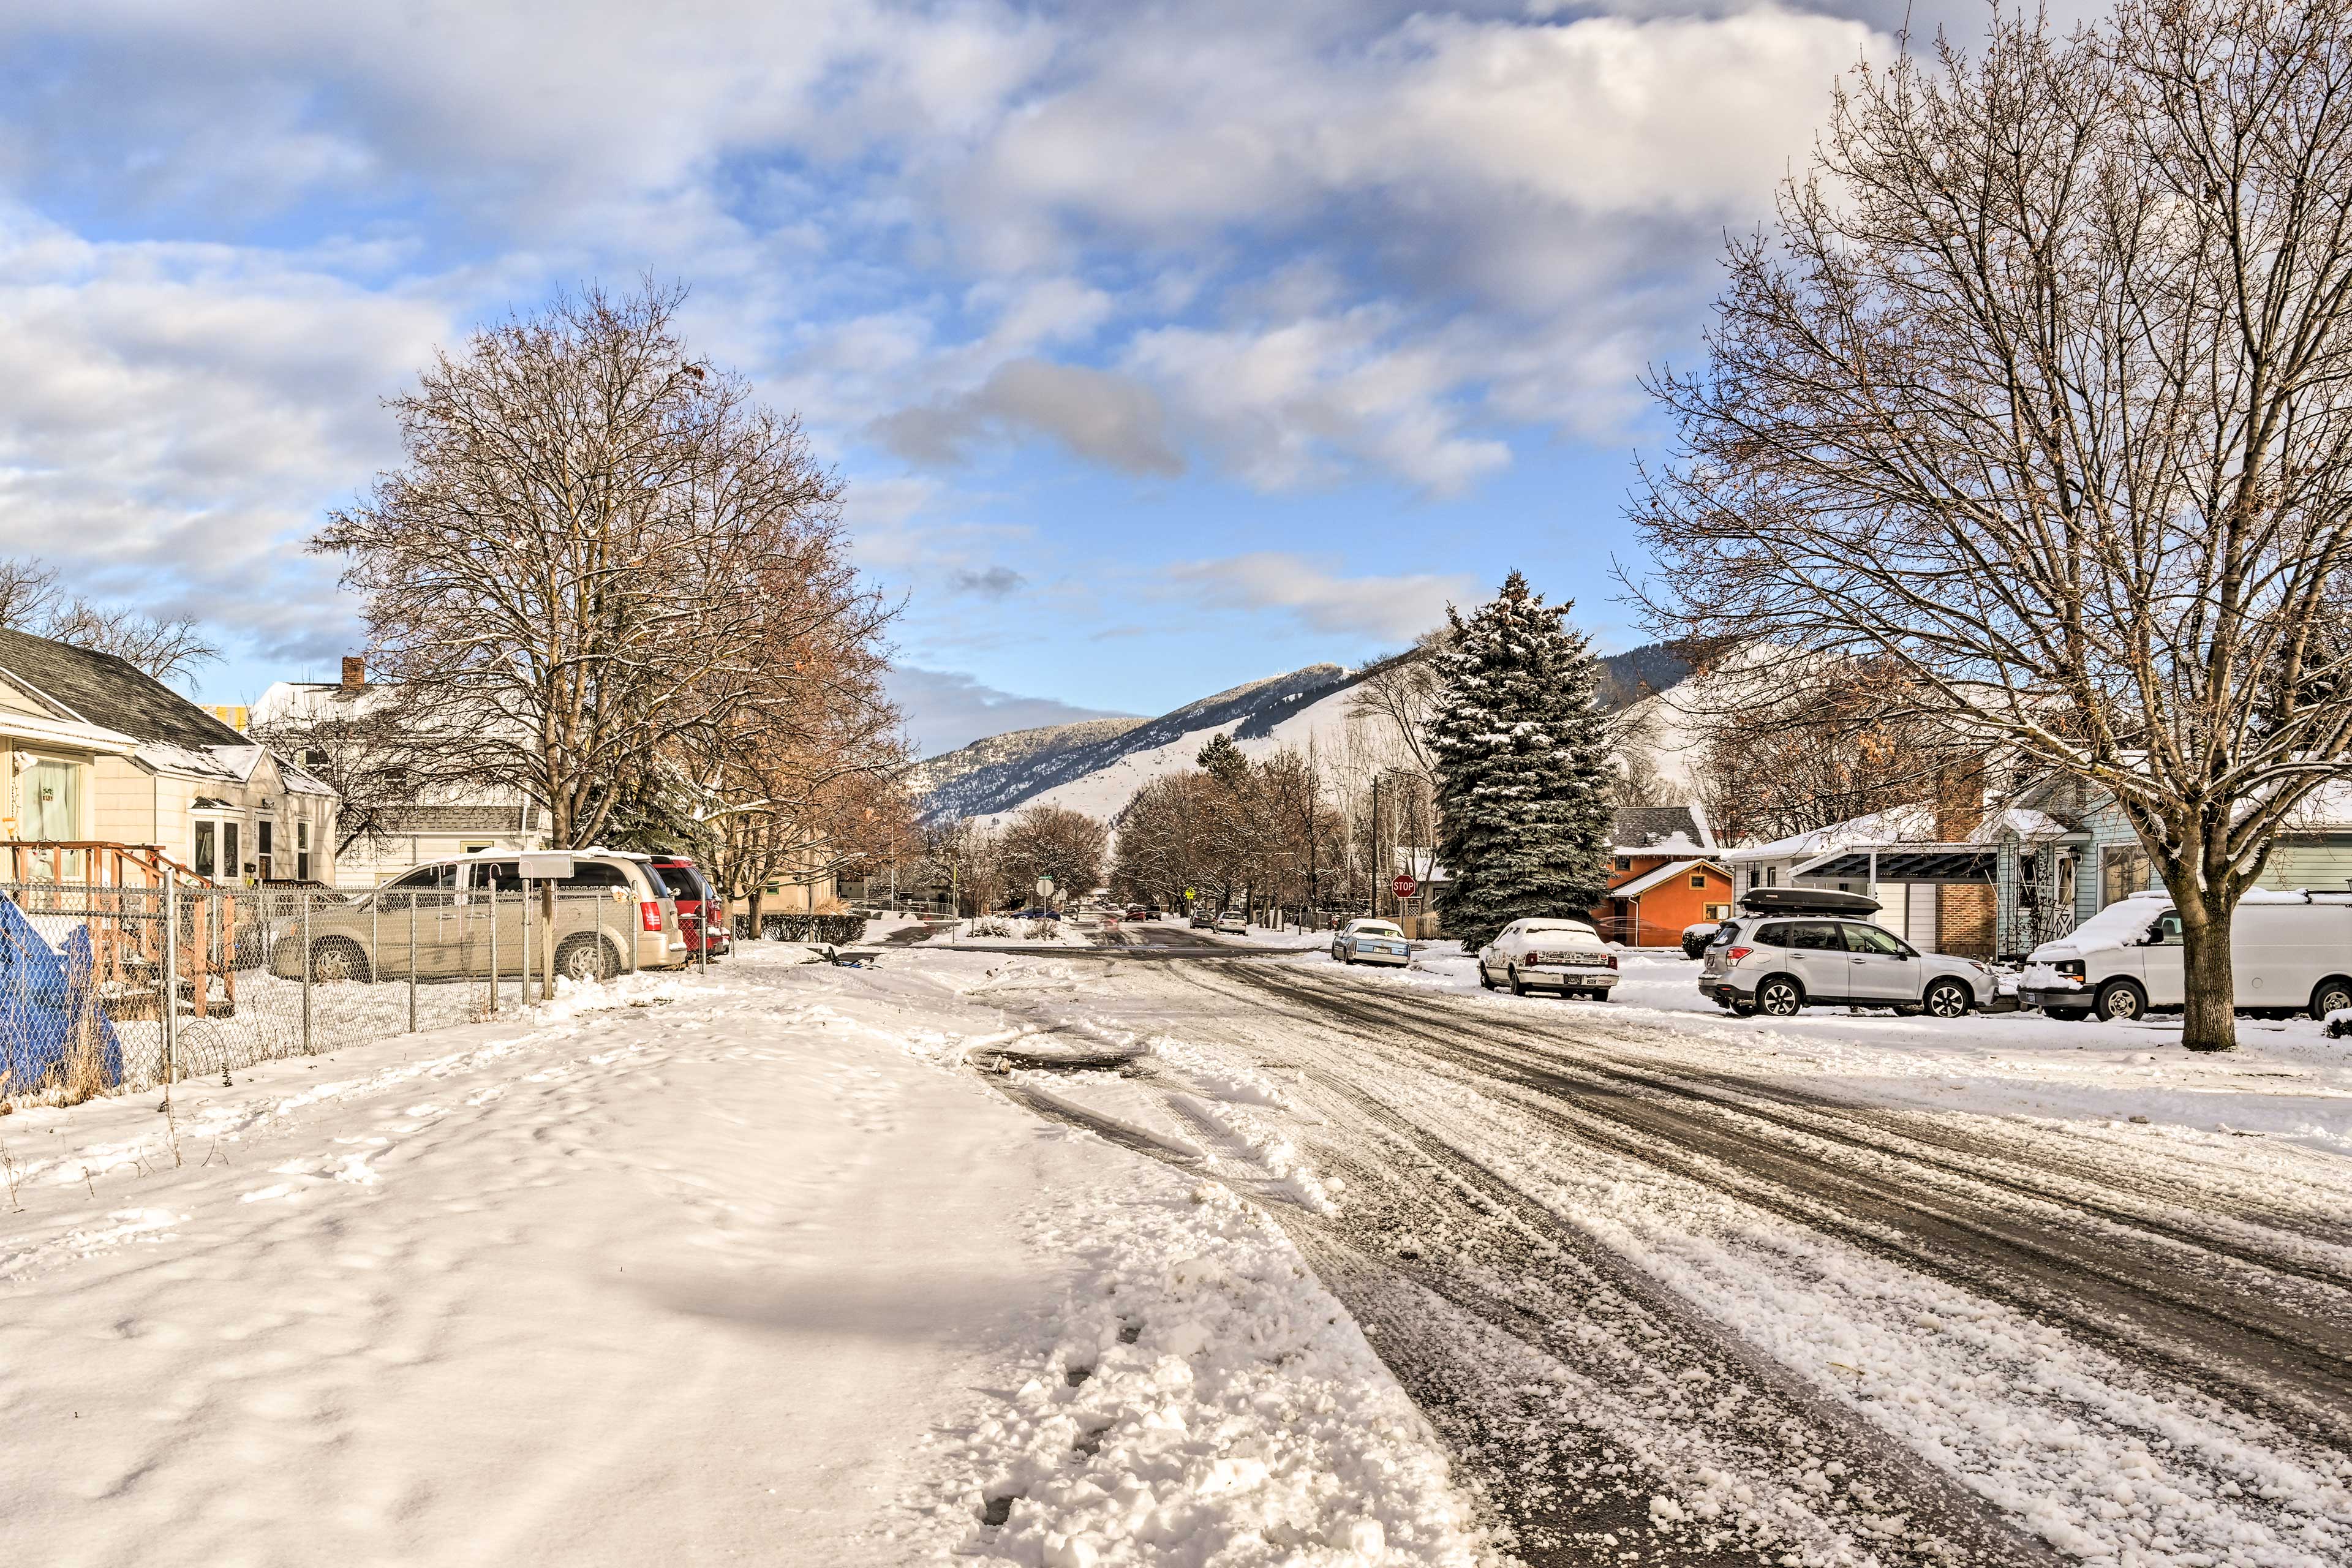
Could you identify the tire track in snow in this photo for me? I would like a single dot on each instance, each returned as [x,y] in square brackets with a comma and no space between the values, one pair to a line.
[2287,1351]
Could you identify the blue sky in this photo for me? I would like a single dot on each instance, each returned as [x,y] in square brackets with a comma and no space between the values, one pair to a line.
[1162,347]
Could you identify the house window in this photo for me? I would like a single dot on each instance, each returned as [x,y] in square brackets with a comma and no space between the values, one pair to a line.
[205,859]
[262,851]
[1699,878]
[2122,871]
[1625,862]
[230,864]
[303,851]
[1718,911]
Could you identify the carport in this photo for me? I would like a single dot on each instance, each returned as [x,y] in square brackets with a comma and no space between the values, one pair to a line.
[1909,879]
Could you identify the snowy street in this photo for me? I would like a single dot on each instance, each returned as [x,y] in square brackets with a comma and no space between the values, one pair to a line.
[1049,1257]
[1850,1289]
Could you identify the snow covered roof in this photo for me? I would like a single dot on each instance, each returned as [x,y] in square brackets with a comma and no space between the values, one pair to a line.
[2022,820]
[1912,824]
[1655,828]
[1663,874]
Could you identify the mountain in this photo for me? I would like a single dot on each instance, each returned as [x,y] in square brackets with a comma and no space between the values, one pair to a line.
[1096,766]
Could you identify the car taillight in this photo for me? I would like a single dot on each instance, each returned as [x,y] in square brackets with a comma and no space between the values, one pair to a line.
[652,911]
[1736,954]
[1612,961]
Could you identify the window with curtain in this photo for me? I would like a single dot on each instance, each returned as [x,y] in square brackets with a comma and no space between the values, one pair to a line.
[51,797]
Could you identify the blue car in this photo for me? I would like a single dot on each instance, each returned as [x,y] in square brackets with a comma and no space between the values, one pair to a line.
[1371,941]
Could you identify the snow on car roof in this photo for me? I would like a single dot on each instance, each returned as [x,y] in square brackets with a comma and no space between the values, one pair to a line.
[1555,925]
[1388,927]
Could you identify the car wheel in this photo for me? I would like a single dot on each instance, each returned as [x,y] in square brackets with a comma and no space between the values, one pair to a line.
[2121,999]
[337,958]
[1519,986]
[2066,1014]
[1947,999]
[583,958]
[1779,997]
[2330,996]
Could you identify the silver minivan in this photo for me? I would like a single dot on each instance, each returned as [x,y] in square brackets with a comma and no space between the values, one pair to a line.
[448,916]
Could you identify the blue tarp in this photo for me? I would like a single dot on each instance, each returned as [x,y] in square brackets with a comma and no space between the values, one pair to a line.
[40,992]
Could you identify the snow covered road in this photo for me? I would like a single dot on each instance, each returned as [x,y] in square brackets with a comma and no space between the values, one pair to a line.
[1669,1299]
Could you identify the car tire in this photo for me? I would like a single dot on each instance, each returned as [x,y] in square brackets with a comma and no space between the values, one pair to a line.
[337,958]
[2066,1014]
[2121,999]
[1519,986]
[1779,998]
[1485,980]
[1947,999]
[2330,995]
[583,957]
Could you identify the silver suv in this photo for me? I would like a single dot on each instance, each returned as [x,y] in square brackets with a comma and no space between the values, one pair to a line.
[1778,964]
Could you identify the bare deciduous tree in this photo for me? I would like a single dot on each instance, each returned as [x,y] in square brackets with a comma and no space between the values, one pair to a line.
[579,555]
[2040,391]
[167,648]
[1052,841]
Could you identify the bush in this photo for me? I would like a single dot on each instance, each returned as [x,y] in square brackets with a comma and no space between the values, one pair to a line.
[835,928]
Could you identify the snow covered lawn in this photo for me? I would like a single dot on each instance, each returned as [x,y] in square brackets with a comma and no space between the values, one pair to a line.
[675,1270]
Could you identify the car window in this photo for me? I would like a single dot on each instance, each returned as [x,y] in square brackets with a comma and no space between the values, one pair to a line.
[2168,928]
[1815,936]
[681,880]
[426,878]
[1774,934]
[502,876]
[595,874]
[1725,934]
[1862,937]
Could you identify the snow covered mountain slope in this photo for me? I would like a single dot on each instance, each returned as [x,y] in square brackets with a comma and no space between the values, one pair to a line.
[1099,772]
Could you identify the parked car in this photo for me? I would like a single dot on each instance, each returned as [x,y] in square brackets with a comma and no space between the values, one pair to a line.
[1821,949]
[1233,922]
[1371,941]
[2289,953]
[611,899]
[698,906]
[1135,911]
[1567,955]
[1696,935]
[1202,920]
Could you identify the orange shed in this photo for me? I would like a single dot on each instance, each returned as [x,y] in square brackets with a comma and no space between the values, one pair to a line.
[1652,897]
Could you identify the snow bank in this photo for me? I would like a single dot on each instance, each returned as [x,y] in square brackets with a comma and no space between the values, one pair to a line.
[1201,1398]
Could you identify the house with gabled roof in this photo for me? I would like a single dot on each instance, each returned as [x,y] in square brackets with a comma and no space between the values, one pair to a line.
[1664,876]
[103,754]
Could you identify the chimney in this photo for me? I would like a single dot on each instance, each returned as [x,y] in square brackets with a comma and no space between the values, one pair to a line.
[354,672]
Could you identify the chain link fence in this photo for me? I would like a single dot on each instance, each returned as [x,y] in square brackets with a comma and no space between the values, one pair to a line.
[110,988]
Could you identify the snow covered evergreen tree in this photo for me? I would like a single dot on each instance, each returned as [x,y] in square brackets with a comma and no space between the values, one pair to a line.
[1521,756]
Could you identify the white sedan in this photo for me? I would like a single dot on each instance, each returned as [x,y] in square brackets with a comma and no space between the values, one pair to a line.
[1565,955]
[1371,941]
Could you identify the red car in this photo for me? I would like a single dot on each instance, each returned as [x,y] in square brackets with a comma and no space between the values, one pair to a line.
[693,893]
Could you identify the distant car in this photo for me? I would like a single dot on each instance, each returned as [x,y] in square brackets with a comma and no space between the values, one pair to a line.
[695,896]
[1371,941]
[1696,935]
[1202,920]
[1234,923]
[1564,955]
[1134,912]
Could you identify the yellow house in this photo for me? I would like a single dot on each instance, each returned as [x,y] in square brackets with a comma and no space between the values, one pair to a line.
[100,752]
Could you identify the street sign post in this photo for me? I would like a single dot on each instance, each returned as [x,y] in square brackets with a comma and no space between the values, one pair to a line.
[1403,887]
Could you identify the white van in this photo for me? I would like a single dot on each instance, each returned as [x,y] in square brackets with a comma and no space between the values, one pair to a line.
[2289,953]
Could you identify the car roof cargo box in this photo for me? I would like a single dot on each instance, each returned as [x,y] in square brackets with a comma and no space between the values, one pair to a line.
[1806,901]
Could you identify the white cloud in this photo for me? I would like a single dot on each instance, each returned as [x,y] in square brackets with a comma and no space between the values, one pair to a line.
[1382,609]
[944,709]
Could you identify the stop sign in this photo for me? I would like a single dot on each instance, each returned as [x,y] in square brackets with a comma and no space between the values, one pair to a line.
[1404,886]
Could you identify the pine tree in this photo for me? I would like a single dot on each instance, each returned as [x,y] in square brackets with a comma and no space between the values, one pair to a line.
[1522,766]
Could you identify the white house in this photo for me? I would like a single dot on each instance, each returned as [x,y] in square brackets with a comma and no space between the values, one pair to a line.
[441,821]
